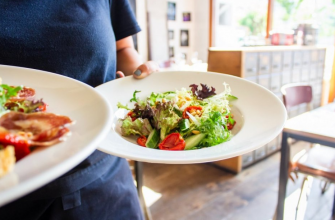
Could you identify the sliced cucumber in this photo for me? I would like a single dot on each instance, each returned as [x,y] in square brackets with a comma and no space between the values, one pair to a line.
[153,139]
[231,98]
[184,124]
[178,112]
[193,140]
[170,95]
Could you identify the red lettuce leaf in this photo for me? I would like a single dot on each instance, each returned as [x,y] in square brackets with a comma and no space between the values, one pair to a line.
[205,91]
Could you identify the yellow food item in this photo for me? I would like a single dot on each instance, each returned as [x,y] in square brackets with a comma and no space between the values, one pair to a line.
[7,160]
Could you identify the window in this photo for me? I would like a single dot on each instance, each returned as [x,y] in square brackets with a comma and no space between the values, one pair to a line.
[239,23]
[319,15]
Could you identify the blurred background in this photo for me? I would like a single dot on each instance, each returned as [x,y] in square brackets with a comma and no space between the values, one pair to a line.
[269,42]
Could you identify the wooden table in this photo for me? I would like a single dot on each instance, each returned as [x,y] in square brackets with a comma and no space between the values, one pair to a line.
[316,126]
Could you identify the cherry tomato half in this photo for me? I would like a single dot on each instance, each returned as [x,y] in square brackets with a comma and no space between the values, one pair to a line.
[173,141]
[21,145]
[230,126]
[42,108]
[190,109]
[132,115]
[142,140]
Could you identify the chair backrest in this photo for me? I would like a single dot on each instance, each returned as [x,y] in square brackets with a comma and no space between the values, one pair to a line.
[296,94]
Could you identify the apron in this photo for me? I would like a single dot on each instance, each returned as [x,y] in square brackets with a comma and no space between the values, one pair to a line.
[111,195]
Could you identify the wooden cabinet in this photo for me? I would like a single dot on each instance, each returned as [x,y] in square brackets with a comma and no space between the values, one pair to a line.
[271,67]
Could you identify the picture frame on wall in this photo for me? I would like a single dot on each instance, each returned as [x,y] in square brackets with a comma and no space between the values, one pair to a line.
[186,16]
[184,38]
[171,34]
[171,11]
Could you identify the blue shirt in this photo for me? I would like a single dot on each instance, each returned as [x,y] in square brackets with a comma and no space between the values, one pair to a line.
[74,38]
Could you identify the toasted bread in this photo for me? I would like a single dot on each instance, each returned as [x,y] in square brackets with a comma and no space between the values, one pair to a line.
[7,160]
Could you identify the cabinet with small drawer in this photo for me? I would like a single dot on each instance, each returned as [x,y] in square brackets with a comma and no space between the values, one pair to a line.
[271,67]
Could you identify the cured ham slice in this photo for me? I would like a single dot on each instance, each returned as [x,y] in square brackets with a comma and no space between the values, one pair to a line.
[40,128]
[35,123]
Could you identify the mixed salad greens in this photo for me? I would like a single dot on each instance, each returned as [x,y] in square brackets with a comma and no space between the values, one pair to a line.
[184,119]
[19,99]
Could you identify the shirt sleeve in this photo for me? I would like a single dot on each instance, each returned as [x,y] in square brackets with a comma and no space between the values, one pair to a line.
[123,19]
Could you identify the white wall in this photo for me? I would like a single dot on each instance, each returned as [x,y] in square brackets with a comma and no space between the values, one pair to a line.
[198,27]
[201,30]
[178,25]
[158,48]
[142,37]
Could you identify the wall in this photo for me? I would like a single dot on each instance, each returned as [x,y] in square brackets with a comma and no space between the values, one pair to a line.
[142,37]
[198,28]
[157,30]
[201,10]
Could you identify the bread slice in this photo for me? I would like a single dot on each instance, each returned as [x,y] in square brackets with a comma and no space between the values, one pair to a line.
[7,160]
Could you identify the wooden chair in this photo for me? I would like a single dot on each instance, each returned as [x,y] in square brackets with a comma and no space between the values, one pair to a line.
[318,161]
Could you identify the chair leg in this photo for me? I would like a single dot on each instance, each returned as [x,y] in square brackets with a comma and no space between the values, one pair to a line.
[305,191]
[325,187]
[300,196]
[138,166]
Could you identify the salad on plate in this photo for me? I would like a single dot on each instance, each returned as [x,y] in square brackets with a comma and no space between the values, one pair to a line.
[25,125]
[184,119]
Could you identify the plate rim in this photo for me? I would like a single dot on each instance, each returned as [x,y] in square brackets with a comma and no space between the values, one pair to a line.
[149,159]
[10,193]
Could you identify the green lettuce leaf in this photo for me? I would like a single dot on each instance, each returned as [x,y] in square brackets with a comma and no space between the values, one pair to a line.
[165,118]
[26,106]
[6,92]
[138,127]
[119,105]
[134,99]
[214,127]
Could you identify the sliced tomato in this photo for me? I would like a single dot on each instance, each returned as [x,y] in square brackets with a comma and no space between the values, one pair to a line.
[173,141]
[142,140]
[190,109]
[132,115]
[20,144]
[231,126]
[42,108]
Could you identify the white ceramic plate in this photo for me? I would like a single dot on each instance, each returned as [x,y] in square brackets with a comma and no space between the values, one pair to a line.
[260,116]
[65,96]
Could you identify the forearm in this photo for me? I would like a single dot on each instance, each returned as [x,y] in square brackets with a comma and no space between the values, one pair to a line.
[128,60]
[127,57]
